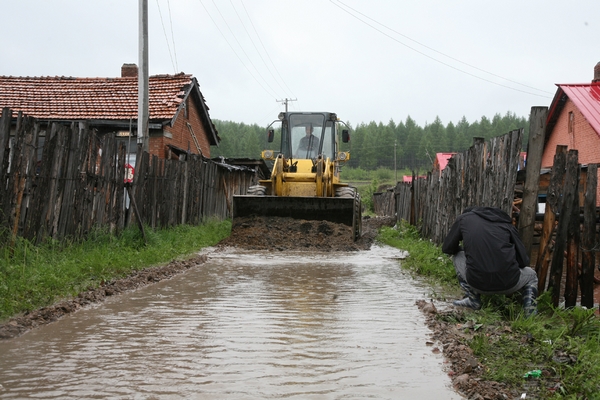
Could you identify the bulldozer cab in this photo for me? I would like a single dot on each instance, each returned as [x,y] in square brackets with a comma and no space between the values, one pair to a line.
[306,135]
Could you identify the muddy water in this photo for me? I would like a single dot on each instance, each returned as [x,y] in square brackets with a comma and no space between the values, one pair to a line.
[241,326]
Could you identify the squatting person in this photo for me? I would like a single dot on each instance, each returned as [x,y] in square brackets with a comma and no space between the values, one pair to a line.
[492,259]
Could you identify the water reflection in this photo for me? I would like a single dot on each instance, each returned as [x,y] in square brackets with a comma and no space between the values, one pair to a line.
[244,325]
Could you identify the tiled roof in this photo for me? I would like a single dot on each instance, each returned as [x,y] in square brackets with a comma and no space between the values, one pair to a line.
[92,98]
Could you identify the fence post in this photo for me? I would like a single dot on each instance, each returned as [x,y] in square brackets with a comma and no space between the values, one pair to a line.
[569,191]
[4,139]
[589,235]
[552,206]
[535,148]
[572,278]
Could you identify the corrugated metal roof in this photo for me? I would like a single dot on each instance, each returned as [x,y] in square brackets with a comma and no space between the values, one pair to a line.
[92,98]
[586,98]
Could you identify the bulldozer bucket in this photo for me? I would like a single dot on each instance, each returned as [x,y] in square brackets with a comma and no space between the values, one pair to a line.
[344,210]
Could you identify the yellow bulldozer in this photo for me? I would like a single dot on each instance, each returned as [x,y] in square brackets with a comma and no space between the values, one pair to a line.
[304,183]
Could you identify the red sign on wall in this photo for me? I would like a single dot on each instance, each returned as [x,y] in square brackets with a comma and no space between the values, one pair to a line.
[129,170]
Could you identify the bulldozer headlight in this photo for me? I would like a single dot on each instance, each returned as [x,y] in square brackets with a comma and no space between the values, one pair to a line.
[268,154]
[343,156]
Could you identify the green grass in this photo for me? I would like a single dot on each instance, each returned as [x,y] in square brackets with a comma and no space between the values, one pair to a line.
[563,344]
[425,258]
[37,276]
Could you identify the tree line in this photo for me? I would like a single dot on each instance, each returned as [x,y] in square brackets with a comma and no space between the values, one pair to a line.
[403,145]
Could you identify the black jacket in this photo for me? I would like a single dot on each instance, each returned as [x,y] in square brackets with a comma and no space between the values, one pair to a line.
[492,247]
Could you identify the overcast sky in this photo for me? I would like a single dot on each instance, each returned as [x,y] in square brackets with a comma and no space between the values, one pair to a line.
[372,60]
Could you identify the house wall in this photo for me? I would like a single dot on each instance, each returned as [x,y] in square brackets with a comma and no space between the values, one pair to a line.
[583,138]
[180,134]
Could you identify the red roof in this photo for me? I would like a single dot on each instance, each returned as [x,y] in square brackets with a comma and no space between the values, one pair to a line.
[585,96]
[442,159]
[93,98]
[409,178]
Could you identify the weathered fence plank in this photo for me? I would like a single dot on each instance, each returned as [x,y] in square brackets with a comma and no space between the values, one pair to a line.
[535,148]
[589,238]
[572,277]
[569,191]
[553,203]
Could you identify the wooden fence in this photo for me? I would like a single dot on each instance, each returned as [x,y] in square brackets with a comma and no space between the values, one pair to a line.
[562,248]
[75,182]
[383,203]
[565,257]
[484,175]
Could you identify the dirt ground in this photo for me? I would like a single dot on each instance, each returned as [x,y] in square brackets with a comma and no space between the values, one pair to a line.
[22,323]
[463,367]
[281,234]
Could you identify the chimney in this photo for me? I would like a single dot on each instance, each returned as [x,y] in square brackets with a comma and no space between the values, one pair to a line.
[596,74]
[129,71]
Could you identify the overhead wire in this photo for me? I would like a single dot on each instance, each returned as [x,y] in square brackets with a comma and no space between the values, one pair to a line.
[431,57]
[269,117]
[166,38]
[254,45]
[265,49]
[242,48]
[234,51]
[172,36]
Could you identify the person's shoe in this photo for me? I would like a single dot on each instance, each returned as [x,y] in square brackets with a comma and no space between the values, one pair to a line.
[473,302]
[530,300]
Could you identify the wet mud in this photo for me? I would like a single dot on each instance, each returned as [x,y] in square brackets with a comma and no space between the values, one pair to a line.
[252,233]
[22,323]
[465,370]
[282,235]
[242,324]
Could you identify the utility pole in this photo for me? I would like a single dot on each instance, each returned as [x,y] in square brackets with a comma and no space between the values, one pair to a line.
[143,103]
[285,101]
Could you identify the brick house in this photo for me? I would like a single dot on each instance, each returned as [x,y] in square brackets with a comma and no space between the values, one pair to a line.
[178,115]
[574,121]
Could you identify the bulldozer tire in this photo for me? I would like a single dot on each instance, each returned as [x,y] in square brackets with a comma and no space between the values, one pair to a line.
[345,192]
[257,190]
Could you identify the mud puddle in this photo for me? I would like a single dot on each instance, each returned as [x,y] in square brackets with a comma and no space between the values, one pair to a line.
[242,325]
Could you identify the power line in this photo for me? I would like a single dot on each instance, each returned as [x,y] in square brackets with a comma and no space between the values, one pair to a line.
[254,45]
[172,36]
[235,52]
[286,101]
[166,38]
[265,49]
[242,47]
[433,58]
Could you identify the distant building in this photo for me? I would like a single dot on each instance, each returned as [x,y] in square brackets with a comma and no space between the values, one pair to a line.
[574,121]
[179,122]
[441,160]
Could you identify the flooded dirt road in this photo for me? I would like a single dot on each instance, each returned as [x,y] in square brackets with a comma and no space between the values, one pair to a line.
[243,325]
